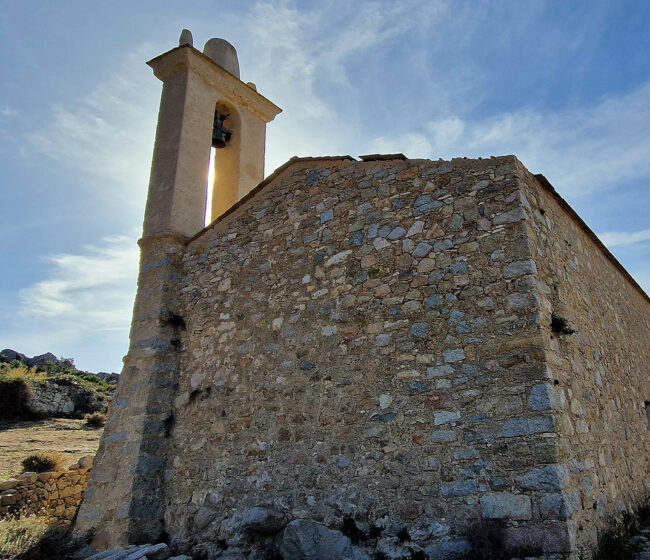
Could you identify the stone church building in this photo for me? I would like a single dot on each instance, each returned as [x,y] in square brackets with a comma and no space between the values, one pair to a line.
[406,352]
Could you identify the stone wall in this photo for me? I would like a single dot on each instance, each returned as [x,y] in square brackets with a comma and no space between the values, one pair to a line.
[54,494]
[600,373]
[361,342]
[62,397]
[369,345]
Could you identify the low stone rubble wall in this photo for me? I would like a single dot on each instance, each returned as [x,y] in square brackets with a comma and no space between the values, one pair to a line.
[55,494]
[63,397]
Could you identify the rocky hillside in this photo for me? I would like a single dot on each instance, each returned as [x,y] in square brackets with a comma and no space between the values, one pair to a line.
[45,385]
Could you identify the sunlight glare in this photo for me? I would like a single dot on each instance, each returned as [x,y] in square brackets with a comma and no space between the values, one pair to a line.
[209,187]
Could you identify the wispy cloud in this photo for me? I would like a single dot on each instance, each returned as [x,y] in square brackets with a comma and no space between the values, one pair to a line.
[581,150]
[301,64]
[93,290]
[107,134]
[622,238]
[82,306]
[7,112]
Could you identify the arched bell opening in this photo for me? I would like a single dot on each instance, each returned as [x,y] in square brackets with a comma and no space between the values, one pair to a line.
[223,174]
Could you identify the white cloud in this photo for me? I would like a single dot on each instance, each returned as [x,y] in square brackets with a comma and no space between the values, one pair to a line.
[7,112]
[82,307]
[301,59]
[581,150]
[621,238]
[108,133]
[93,290]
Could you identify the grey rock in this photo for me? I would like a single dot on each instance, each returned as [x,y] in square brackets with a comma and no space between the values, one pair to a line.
[505,505]
[451,356]
[442,245]
[445,417]
[447,550]
[203,517]
[397,233]
[456,316]
[152,552]
[303,539]
[422,249]
[383,339]
[383,418]
[356,239]
[433,300]
[519,301]
[514,215]
[455,223]
[519,268]
[514,427]
[426,208]
[559,506]
[206,551]
[326,216]
[459,267]
[392,548]
[553,477]
[420,330]
[384,231]
[458,489]
[440,371]
[541,397]
[263,520]
[421,200]
[440,436]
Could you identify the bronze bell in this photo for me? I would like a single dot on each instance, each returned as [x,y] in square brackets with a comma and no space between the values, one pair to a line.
[220,134]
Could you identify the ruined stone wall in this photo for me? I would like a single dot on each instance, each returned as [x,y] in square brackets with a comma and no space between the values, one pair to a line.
[600,373]
[53,494]
[62,397]
[364,340]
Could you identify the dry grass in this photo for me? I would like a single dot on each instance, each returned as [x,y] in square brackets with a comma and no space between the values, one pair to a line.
[19,535]
[70,437]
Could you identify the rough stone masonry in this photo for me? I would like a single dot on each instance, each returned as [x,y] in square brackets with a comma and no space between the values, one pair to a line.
[405,347]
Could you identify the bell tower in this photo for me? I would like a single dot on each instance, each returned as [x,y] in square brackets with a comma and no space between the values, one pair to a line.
[208,119]
[206,112]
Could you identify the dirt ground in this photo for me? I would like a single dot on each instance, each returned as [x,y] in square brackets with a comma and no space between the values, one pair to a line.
[21,438]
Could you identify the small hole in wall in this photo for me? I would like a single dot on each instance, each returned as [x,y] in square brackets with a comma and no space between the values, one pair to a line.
[647,412]
[559,325]
[556,382]
[168,425]
[542,211]
[175,321]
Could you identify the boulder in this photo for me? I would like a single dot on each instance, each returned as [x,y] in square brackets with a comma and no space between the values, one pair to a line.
[307,540]
[263,520]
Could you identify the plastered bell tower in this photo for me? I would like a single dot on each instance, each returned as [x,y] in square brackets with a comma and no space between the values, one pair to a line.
[204,108]
[204,104]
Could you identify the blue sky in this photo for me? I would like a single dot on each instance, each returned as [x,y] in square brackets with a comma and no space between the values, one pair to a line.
[565,86]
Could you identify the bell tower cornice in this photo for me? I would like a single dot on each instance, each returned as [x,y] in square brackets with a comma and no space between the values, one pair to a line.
[186,58]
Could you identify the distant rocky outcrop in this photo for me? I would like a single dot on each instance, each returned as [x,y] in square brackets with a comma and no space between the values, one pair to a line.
[45,385]
[42,361]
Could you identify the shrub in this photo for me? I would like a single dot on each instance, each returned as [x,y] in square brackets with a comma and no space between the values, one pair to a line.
[17,535]
[15,394]
[43,461]
[95,420]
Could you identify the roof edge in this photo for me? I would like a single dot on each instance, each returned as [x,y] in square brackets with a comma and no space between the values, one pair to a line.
[545,183]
